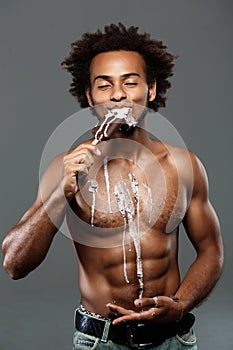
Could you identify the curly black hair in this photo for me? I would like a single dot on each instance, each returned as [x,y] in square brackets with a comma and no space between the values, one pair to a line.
[159,62]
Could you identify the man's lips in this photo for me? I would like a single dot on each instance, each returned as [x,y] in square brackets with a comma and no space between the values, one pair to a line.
[111,122]
[119,105]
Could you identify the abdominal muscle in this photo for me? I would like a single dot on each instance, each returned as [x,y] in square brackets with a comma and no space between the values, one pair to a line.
[101,272]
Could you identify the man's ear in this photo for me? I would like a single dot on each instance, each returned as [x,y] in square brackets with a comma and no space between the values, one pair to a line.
[152,91]
[89,98]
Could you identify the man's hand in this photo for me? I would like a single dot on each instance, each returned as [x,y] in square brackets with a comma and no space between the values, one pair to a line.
[167,310]
[77,161]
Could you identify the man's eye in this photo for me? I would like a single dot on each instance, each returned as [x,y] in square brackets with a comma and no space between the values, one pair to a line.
[130,84]
[104,86]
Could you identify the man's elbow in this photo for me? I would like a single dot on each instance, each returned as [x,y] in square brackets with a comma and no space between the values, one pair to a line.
[10,264]
[12,269]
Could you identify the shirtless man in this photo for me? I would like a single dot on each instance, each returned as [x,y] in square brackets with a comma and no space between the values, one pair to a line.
[131,295]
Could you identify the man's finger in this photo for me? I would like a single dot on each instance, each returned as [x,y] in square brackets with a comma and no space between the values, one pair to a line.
[120,310]
[146,302]
[137,316]
[134,316]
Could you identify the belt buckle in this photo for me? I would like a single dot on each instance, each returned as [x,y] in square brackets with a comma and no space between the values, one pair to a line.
[132,334]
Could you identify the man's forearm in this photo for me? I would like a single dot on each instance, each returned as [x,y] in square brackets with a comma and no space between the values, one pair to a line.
[200,279]
[27,243]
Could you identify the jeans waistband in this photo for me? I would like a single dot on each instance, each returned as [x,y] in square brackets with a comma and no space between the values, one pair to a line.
[132,334]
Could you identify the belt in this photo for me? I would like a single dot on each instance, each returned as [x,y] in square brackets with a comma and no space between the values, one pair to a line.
[131,334]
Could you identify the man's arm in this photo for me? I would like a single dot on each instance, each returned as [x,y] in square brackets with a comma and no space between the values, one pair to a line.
[203,230]
[27,243]
[202,227]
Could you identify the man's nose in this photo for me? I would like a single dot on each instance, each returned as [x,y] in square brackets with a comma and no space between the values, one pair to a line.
[118,94]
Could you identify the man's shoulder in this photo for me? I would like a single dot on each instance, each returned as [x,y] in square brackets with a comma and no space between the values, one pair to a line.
[190,168]
[177,153]
[186,162]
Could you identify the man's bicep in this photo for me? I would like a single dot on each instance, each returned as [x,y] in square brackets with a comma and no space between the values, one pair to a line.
[201,222]
[201,225]
[50,179]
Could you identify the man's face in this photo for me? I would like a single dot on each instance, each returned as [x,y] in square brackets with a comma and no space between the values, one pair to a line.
[118,78]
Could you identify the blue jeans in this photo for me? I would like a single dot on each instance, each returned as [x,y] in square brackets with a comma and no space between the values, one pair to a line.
[82,341]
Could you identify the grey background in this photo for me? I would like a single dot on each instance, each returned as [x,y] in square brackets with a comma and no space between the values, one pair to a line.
[37,312]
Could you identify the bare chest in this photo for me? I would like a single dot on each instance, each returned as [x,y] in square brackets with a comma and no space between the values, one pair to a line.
[122,194]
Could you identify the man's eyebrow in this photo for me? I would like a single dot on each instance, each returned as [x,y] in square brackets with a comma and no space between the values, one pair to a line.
[108,77]
[130,74]
[105,77]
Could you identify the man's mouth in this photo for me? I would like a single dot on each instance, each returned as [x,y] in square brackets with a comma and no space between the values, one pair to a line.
[113,121]
[119,105]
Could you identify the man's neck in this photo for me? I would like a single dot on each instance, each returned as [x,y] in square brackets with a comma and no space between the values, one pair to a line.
[127,146]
